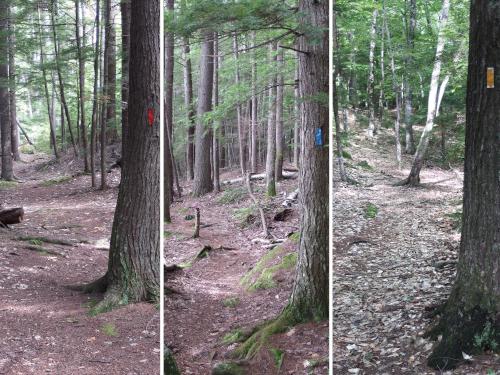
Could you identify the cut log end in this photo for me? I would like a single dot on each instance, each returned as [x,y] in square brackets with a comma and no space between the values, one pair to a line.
[11,216]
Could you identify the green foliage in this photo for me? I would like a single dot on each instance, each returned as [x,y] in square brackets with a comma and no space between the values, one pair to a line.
[371,211]
[234,336]
[294,237]
[109,329]
[231,302]
[266,278]
[456,219]
[56,181]
[7,184]
[486,340]
[228,368]
[364,165]
[232,195]
[278,356]
[245,215]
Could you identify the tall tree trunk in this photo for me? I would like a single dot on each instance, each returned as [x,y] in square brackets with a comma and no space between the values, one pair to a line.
[309,298]
[296,123]
[14,132]
[125,17]
[105,90]
[7,165]
[169,111]
[473,308]
[271,129]
[381,97]
[191,114]
[279,120]
[335,98]
[134,257]
[81,76]
[411,6]
[111,124]
[372,128]
[59,75]
[396,89]
[418,161]
[216,125]
[253,127]
[95,105]
[53,140]
[202,172]
[239,120]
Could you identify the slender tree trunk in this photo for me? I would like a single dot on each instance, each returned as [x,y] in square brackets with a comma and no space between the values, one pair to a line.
[296,123]
[381,97]
[7,165]
[216,125]
[202,171]
[411,6]
[125,17]
[271,130]
[105,90]
[473,307]
[241,132]
[371,76]
[254,158]
[134,257]
[191,114]
[169,97]
[14,132]
[111,124]
[418,161]
[335,99]
[95,106]
[60,77]
[309,298]
[46,86]
[279,120]
[81,75]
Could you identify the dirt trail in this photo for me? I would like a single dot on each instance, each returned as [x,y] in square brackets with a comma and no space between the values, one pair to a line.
[391,269]
[197,320]
[45,327]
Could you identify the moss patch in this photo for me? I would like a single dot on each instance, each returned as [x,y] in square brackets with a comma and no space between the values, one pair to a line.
[7,184]
[231,302]
[455,219]
[228,368]
[109,329]
[371,211]
[294,237]
[266,278]
[56,181]
[364,165]
[234,195]
[278,356]
[245,216]
[234,336]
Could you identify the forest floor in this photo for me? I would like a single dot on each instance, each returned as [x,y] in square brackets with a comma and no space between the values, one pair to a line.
[394,258]
[46,327]
[240,284]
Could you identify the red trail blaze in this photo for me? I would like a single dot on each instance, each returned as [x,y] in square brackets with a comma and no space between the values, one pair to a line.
[151,116]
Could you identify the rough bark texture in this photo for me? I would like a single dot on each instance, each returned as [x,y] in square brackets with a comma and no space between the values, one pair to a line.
[474,303]
[134,260]
[95,106]
[310,292]
[271,131]
[254,124]
[411,6]
[216,125]
[371,75]
[202,171]
[418,161]
[280,140]
[191,114]
[14,132]
[168,172]
[296,123]
[125,15]
[7,171]
[111,125]
[81,75]
[239,119]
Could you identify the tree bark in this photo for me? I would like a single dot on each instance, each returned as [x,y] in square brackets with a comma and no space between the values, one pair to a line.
[473,307]
[271,129]
[296,123]
[191,114]
[309,298]
[202,171]
[411,6]
[254,124]
[239,120]
[14,132]
[7,165]
[81,77]
[111,124]
[216,125]
[125,16]
[134,260]
[418,161]
[95,105]
[278,164]
[372,128]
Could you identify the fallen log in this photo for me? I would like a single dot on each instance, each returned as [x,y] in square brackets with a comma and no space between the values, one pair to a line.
[260,176]
[11,216]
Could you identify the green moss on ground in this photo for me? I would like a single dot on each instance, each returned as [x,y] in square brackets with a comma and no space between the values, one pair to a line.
[364,165]
[56,181]
[266,278]
[109,329]
[232,195]
[231,302]
[7,184]
[371,211]
[278,356]
[294,237]
[236,335]
[228,368]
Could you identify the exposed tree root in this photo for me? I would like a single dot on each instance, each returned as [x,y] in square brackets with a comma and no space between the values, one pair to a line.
[98,286]
[260,334]
[169,363]
[469,332]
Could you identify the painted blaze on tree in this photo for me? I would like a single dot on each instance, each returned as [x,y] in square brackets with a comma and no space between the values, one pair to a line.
[470,321]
